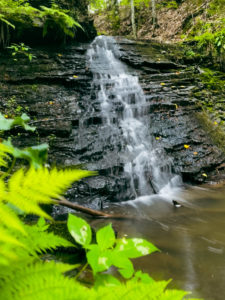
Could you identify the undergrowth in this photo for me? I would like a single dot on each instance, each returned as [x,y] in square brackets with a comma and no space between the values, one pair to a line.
[21,13]
[24,274]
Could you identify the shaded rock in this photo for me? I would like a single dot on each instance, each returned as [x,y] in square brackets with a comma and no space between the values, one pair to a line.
[59,91]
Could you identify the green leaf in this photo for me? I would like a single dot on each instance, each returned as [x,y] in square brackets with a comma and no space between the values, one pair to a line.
[125,266]
[5,124]
[41,224]
[133,248]
[99,260]
[105,237]
[106,280]
[36,155]
[22,121]
[80,230]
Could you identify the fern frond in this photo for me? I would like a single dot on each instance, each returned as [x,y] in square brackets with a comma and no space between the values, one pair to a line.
[10,219]
[42,281]
[151,291]
[4,151]
[27,190]
[40,241]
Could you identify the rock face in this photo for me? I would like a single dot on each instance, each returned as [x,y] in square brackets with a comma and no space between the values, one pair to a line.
[57,89]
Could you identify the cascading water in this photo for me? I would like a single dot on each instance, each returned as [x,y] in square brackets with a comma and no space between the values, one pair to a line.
[146,165]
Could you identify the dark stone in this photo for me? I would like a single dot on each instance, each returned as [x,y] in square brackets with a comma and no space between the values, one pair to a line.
[57,87]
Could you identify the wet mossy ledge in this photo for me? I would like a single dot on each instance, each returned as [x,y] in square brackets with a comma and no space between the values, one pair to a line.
[213,129]
[39,22]
[211,98]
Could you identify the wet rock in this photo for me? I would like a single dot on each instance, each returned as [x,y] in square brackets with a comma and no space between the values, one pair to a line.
[59,91]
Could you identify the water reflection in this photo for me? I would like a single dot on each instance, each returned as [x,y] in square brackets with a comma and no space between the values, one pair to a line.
[191,238]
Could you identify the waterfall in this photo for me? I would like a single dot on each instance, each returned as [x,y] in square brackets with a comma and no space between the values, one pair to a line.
[123,105]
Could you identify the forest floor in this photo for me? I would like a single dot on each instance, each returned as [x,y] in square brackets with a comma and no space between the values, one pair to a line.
[173,23]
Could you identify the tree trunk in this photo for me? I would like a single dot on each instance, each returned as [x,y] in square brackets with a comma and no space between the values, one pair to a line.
[153,14]
[133,19]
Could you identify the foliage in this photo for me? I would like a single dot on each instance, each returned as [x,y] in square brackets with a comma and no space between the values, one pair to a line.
[23,272]
[212,40]
[108,251]
[21,12]
[56,17]
[12,108]
[7,124]
[21,49]
[167,4]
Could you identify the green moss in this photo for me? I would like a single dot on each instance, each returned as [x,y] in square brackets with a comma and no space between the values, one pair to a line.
[215,131]
[213,80]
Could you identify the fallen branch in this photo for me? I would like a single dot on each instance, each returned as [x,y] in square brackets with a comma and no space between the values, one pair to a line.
[90,211]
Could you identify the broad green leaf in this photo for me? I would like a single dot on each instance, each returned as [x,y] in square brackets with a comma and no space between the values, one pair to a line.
[99,260]
[125,266]
[7,124]
[36,155]
[105,237]
[22,121]
[80,230]
[133,248]
[106,280]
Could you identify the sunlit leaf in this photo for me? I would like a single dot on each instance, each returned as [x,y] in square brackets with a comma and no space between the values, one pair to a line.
[80,230]
[122,262]
[105,237]
[133,248]
[99,260]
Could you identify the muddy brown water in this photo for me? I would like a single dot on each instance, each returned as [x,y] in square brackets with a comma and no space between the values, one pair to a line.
[191,238]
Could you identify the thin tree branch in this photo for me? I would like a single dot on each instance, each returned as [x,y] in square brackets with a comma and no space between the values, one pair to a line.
[90,211]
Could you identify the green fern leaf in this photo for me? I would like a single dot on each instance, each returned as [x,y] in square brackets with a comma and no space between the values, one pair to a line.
[10,219]
[42,281]
[27,190]
[39,241]
[4,150]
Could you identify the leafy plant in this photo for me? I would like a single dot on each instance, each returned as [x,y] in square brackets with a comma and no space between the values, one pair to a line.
[7,124]
[24,15]
[12,108]
[23,272]
[57,17]
[108,251]
[21,49]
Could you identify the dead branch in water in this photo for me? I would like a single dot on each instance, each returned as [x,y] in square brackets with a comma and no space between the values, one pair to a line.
[90,211]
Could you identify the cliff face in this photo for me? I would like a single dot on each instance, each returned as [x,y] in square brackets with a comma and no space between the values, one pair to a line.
[58,92]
